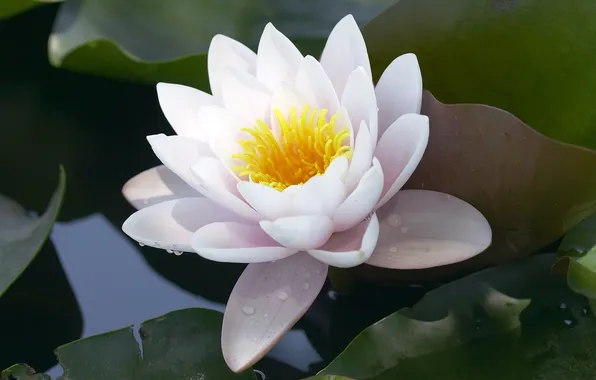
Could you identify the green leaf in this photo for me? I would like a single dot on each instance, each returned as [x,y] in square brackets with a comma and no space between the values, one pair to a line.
[23,235]
[183,344]
[328,377]
[530,57]
[151,41]
[515,321]
[9,8]
[22,372]
[580,239]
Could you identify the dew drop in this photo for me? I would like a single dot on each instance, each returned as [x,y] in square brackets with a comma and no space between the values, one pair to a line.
[141,244]
[282,296]
[563,306]
[169,251]
[394,220]
[404,229]
[393,249]
[305,286]
[145,201]
[260,373]
[568,322]
[178,253]
[248,310]
[585,311]
[265,315]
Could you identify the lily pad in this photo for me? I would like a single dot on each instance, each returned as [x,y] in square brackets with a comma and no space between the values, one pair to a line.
[22,235]
[516,321]
[9,8]
[22,372]
[147,40]
[534,58]
[580,239]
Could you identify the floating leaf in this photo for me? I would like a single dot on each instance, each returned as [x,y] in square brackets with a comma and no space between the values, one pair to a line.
[147,40]
[512,321]
[22,372]
[22,235]
[9,8]
[580,239]
[533,58]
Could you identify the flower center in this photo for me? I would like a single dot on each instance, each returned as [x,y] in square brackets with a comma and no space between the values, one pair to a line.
[306,146]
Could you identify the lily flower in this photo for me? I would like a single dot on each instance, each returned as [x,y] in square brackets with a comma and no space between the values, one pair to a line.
[292,165]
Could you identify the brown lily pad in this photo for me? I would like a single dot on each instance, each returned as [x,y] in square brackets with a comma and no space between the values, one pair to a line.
[531,188]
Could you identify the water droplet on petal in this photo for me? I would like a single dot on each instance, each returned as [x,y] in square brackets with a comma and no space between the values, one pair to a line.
[305,286]
[393,249]
[141,244]
[404,229]
[169,251]
[282,296]
[248,310]
[394,220]
[265,315]
[145,201]
[178,253]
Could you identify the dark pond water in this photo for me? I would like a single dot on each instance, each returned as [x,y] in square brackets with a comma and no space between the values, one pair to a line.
[91,278]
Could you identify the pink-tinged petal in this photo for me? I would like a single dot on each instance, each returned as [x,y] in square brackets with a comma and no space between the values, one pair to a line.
[214,177]
[156,185]
[361,159]
[266,302]
[344,51]
[170,225]
[423,229]
[360,101]
[314,83]
[180,105]
[225,53]
[321,195]
[399,90]
[278,59]
[299,232]
[246,96]
[234,242]
[400,150]
[361,202]
[177,153]
[350,248]
[270,203]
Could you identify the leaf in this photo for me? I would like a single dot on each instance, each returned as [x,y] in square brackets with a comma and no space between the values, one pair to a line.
[183,344]
[22,372]
[580,239]
[515,321]
[22,235]
[9,8]
[328,377]
[530,57]
[146,40]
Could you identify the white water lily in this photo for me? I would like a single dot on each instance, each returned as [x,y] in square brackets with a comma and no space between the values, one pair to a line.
[291,165]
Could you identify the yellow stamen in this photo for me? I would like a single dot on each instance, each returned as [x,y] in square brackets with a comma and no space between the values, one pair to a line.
[306,145]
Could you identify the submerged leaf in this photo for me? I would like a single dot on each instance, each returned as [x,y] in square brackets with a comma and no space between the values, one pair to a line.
[9,8]
[22,235]
[22,372]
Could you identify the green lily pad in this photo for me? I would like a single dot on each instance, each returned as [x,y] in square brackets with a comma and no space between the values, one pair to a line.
[9,8]
[534,58]
[147,40]
[580,239]
[22,372]
[22,235]
[516,321]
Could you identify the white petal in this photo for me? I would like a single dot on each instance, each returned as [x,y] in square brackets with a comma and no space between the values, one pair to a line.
[270,203]
[266,302]
[314,83]
[170,225]
[156,185]
[246,96]
[361,202]
[423,229]
[338,168]
[399,90]
[299,232]
[350,248]
[360,101]
[344,52]
[218,122]
[180,105]
[233,242]
[400,150]
[177,153]
[225,53]
[278,59]
[361,159]
[221,186]
[320,195]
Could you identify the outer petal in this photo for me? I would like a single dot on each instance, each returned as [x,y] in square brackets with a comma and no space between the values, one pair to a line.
[180,105]
[268,202]
[313,82]
[344,52]
[246,96]
[278,59]
[171,224]
[221,186]
[266,302]
[234,242]
[299,232]
[225,53]
[350,248]
[361,159]
[399,90]
[156,185]
[177,153]
[400,150]
[361,202]
[360,101]
[423,229]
